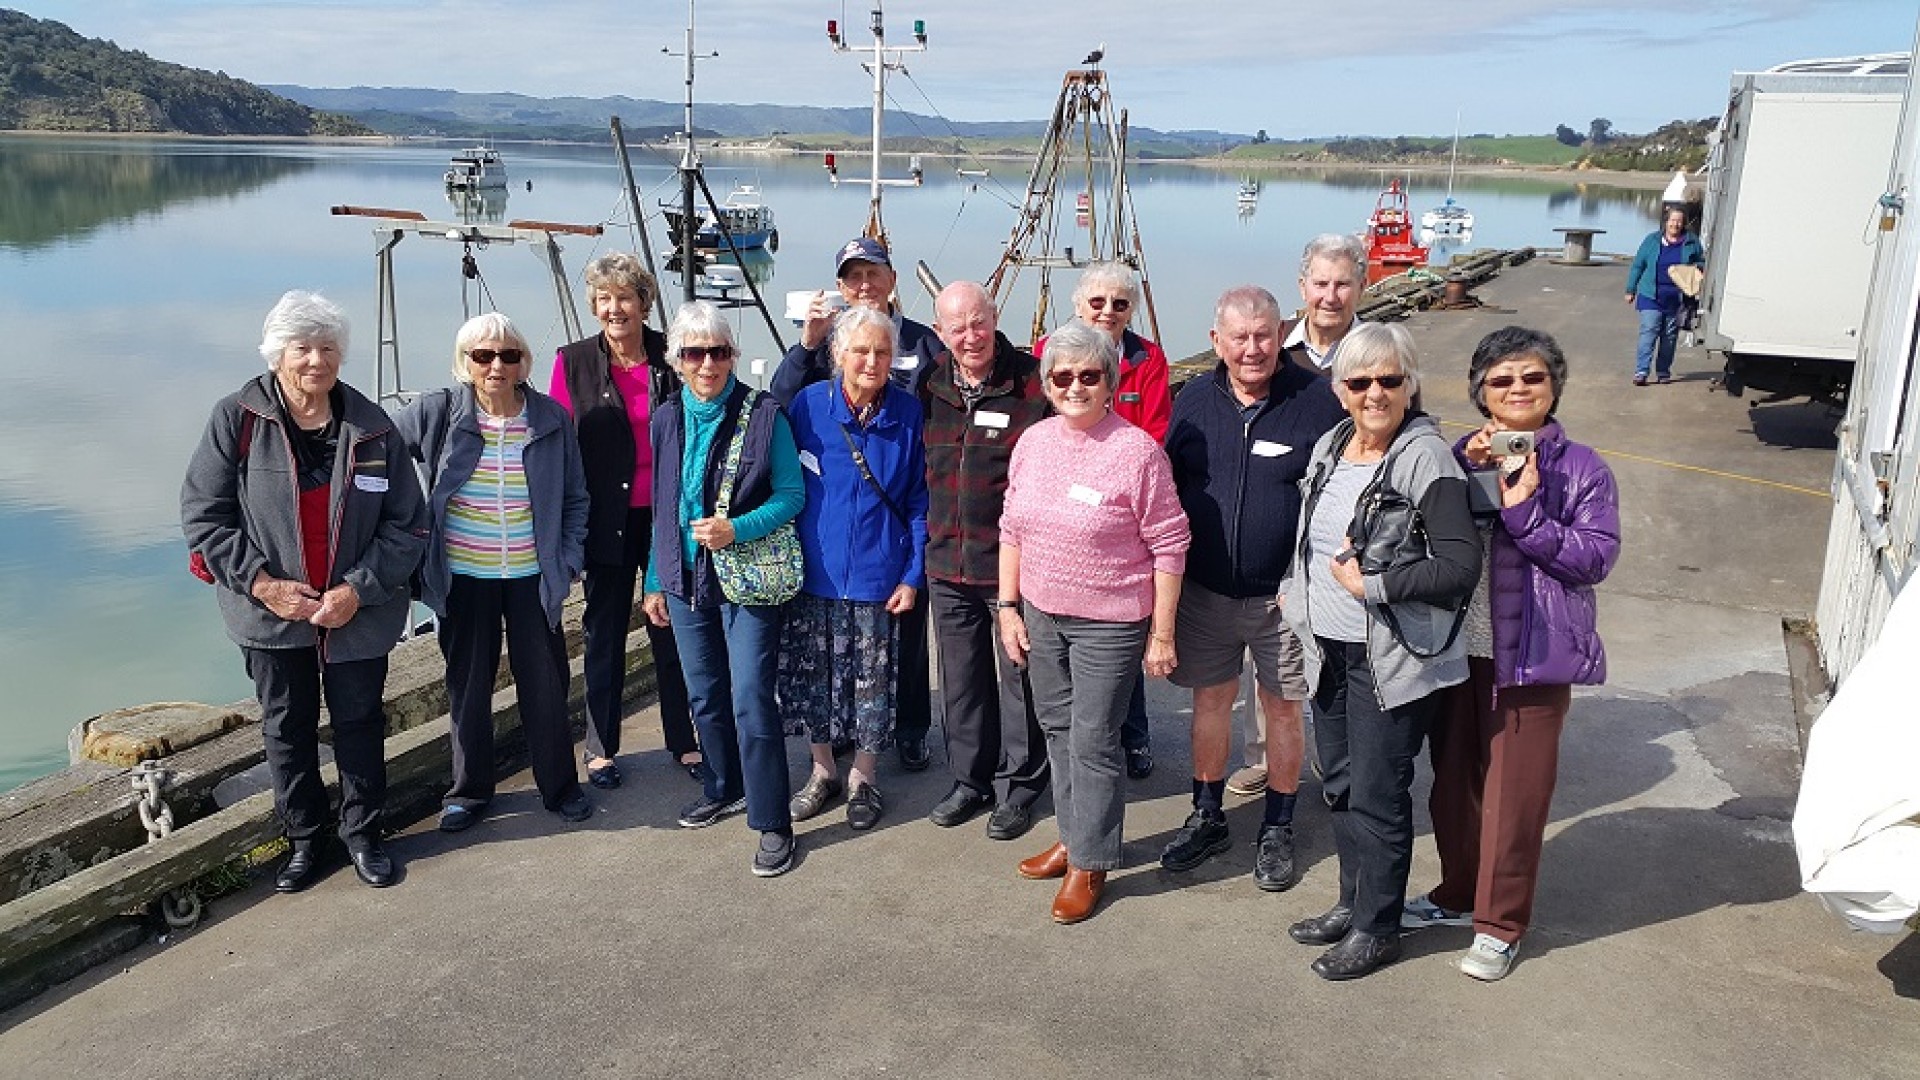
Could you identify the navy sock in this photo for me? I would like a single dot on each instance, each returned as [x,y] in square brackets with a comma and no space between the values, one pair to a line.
[1210,795]
[1279,807]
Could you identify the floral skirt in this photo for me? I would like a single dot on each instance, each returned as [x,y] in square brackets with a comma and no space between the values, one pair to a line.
[836,671]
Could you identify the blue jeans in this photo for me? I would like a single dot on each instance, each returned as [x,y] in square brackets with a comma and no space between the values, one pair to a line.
[1083,672]
[730,654]
[1658,330]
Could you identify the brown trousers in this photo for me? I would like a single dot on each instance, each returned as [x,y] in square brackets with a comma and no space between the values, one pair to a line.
[1495,758]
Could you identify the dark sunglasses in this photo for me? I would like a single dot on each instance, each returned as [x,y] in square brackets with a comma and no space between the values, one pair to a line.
[1360,384]
[484,357]
[694,354]
[1064,379]
[1531,378]
[1099,303]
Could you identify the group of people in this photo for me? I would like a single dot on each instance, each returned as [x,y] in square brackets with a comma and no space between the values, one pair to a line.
[1057,521]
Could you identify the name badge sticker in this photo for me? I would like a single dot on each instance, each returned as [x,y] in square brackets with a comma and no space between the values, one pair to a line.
[1084,494]
[907,362]
[1264,448]
[996,420]
[370,483]
[1129,399]
[809,462]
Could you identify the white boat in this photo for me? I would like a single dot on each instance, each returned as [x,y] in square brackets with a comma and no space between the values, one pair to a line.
[1449,218]
[1249,193]
[475,169]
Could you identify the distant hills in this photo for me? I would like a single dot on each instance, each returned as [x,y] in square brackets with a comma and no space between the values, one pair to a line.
[52,79]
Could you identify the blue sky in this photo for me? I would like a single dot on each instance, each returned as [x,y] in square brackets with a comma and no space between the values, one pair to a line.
[1292,68]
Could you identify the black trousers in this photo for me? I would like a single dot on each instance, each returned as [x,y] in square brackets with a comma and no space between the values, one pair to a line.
[290,684]
[608,619]
[1366,761]
[470,640]
[912,690]
[994,742]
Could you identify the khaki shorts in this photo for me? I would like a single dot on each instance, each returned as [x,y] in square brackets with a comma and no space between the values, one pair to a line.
[1211,636]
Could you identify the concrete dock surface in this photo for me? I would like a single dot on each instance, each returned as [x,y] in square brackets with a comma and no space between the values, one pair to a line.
[1670,936]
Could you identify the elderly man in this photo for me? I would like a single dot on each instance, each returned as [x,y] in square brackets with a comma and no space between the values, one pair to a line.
[981,394]
[1239,444]
[1333,274]
[866,278]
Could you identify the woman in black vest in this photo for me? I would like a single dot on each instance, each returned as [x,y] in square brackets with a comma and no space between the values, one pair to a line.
[612,383]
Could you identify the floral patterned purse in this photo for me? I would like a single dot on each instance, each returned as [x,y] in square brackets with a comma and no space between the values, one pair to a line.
[763,572]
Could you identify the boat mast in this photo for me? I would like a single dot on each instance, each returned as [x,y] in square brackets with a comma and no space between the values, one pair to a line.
[1455,159]
[885,58]
[689,166]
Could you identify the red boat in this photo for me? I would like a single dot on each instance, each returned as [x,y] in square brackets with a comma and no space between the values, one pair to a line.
[1391,244]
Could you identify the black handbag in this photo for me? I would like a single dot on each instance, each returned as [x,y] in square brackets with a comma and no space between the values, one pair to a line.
[1388,531]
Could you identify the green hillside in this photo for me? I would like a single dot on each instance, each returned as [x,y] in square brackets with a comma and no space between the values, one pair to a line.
[52,79]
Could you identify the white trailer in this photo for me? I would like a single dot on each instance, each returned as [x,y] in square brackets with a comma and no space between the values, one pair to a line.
[1790,222]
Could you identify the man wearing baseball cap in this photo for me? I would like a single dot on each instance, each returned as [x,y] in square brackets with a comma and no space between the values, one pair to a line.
[865,276]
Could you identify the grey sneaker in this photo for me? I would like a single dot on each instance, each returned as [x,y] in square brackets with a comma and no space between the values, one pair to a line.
[1273,858]
[775,856]
[1420,913]
[1489,958]
[1250,780]
[814,797]
[1202,837]
[705,811]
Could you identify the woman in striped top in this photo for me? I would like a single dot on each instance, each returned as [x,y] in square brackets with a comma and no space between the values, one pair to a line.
[509,503]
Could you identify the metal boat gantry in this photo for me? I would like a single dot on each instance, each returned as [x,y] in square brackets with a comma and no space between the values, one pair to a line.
[1084,151]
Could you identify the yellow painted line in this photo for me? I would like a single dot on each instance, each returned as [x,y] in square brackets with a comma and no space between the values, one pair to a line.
[1795,488]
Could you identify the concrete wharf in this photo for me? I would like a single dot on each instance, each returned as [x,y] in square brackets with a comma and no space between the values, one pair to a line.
[1670,938]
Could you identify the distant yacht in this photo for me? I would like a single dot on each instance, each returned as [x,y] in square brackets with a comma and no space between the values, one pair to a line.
[1449,218]
[476,169]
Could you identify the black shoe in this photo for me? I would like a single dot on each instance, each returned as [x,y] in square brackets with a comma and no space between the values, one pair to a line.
[301,868]
[914,755]
[705,811]
[1359,954]
[775,856]
[959,807]
[1323,929]
[373,864]
[863,808]
[606,777]
[576,808]
[457,818]
[1139,762]
[1201,838]
[1273,861]
[1010,821]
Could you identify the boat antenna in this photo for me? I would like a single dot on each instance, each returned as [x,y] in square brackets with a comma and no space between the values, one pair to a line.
[689,165]
[885,58]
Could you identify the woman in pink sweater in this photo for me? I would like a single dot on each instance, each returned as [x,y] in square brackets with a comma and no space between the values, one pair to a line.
[1092,546]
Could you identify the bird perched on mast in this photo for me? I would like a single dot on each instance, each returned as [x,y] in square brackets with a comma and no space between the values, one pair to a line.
[1098,54]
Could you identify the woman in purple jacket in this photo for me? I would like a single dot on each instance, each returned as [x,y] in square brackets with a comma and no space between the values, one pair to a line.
[1552,516]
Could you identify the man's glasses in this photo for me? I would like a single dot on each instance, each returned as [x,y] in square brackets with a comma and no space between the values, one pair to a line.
[1064,379]
[1360,384]
[1531,378]
[485,357]
[695,354]
[1099,303]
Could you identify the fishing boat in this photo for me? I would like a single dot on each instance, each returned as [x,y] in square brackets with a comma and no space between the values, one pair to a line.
[747,217]
[476,169]
[1449,218]
[1249,195]
[1391,245]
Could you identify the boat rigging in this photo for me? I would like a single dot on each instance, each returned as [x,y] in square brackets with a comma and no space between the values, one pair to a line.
[885,58]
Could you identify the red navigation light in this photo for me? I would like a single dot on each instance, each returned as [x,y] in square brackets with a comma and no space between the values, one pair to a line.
[831,166]
[833,31]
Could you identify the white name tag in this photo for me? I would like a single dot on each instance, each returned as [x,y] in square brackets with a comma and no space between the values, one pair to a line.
[997,420]
[1263,448]
[907,362]
[370,483]
[1085,494]
[809,462]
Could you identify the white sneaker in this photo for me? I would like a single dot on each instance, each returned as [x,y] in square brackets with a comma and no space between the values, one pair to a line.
[1489,958]
[1420,913]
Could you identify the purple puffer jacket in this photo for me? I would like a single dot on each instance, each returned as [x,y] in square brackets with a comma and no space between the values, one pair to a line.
[1547,555]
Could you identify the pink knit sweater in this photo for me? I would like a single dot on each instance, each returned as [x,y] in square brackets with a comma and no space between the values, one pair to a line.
[1094,514]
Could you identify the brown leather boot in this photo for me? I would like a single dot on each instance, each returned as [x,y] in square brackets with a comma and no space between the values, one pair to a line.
[1079,895]
[1051,863]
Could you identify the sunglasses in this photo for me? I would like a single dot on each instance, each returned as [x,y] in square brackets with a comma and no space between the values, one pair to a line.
[694,354]
[1360,384]
[485,357]
[1064,379]
[1099,303]
[1531,378]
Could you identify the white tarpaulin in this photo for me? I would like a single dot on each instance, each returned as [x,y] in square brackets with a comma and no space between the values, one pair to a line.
[1856,827]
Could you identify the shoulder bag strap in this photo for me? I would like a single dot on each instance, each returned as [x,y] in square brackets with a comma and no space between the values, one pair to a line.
[860,462]
[730,471]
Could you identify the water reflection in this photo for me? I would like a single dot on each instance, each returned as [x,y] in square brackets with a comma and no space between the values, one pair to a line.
[485,206]
[49,194]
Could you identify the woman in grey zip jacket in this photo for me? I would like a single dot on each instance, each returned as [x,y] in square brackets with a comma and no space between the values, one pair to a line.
[1380,641]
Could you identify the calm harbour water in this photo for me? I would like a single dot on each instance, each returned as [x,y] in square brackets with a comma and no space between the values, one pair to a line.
[134,275]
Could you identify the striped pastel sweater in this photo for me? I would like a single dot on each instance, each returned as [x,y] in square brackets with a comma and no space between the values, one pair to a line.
[489,530]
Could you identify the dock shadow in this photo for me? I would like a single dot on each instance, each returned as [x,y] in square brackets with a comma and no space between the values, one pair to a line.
[1901,966]
[1802,425]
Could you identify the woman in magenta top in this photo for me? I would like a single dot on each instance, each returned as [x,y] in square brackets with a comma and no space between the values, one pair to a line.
[611,383]
[1092,547]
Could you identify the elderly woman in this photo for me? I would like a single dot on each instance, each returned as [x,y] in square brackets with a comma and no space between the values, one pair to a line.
[1552,524]
[613,383]
[1092,547]
[1388,555]
[1104,299]
[301,506]
[864,533]
[1655,295]
[726,472]
[509,505]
